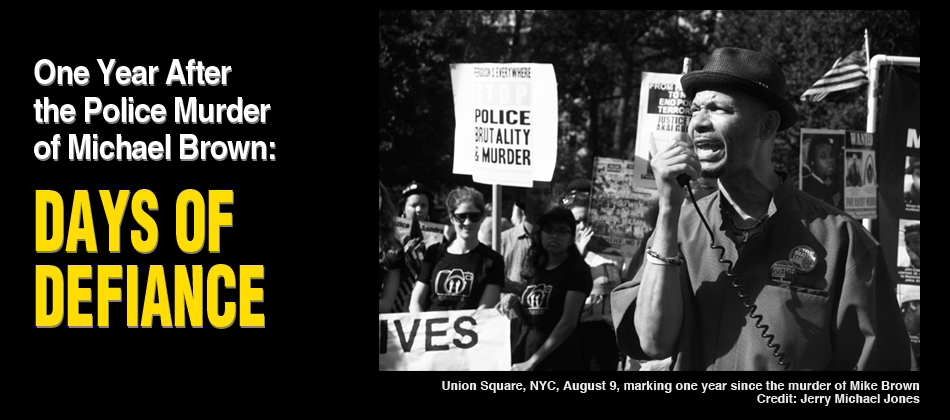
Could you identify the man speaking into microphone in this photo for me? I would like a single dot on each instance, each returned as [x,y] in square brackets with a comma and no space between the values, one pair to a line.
[786,281]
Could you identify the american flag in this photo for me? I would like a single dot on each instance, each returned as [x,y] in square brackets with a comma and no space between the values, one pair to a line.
[847,73]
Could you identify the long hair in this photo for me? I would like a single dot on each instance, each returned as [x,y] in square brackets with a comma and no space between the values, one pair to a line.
[538,257]
[387,222]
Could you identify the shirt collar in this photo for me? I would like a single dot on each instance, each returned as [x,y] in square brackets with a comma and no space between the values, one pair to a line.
[779,196]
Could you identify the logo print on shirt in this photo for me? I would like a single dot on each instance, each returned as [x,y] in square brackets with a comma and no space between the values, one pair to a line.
[454,283]
[536,298]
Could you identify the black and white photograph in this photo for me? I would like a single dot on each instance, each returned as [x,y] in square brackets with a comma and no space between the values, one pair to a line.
[732,161]
[912,184]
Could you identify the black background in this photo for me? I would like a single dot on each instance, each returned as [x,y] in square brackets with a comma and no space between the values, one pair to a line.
[273,222]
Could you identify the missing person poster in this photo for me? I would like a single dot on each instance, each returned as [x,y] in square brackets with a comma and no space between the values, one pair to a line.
[156,199]
[860,172]
[664,118]
[621,214]
[445,341]
[505,122]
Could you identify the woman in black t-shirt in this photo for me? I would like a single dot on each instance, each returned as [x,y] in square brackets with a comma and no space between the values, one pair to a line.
[462,274]
[558,283]
[390,256]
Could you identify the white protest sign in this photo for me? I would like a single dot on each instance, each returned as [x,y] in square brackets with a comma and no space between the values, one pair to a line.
[505,122]
[445,341]
[664,118]
[432,232]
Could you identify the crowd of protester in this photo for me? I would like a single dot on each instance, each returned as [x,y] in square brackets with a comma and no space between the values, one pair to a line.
[544,276]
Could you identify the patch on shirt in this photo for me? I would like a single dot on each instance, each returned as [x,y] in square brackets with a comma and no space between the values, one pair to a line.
[783,272]
[803,258]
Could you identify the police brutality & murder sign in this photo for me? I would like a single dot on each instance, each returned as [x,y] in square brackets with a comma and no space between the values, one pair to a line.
[506,122]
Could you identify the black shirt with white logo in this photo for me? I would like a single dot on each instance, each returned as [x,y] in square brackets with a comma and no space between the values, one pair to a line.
[457,282]
[543,303]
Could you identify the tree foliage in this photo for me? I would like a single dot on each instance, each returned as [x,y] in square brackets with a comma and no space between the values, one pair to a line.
[598,56]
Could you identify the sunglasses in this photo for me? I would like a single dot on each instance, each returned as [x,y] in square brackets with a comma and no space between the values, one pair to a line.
[575,196]
[462,217]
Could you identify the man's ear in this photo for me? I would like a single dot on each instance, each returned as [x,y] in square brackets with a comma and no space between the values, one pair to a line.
[770,122]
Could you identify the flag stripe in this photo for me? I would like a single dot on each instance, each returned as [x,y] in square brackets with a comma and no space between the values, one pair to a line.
[846,73]
[840,81]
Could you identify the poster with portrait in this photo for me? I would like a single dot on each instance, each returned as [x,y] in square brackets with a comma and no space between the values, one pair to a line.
[912,184]
[663,119]
[621,214]
[860,175]
[909,299]
[822,157]
[908,251]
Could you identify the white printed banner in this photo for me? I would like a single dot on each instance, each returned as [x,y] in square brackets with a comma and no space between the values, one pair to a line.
[445,341]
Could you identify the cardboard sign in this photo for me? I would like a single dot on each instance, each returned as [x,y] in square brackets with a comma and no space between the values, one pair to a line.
[445,341]
[505,122]
[621,214]
[432,232]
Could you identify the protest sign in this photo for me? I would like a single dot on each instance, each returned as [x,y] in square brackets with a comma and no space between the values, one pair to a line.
[505,122]
[622,215]
[432,232]
[908,251]
[445,341]
[899,130]
[897,126]
[860,192]
[664,118]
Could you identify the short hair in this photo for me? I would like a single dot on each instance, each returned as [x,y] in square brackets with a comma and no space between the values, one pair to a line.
[815,142]
[465,195]
[915,228]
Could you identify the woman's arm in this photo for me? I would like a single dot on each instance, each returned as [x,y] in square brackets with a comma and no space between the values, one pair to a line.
[389,291]
[418,301]
[573,303]
[490,297]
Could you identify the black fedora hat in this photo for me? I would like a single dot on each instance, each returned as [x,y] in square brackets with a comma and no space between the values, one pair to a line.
[748,71]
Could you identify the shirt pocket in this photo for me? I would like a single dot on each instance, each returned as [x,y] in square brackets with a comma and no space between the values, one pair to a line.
[798,288]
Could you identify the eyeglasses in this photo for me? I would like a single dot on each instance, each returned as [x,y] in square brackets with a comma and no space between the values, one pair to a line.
[575,196]
[462,217]
[556,232]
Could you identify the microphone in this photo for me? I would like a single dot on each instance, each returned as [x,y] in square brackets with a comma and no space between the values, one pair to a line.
[683,179]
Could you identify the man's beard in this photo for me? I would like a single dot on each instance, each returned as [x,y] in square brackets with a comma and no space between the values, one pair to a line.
[714,171]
